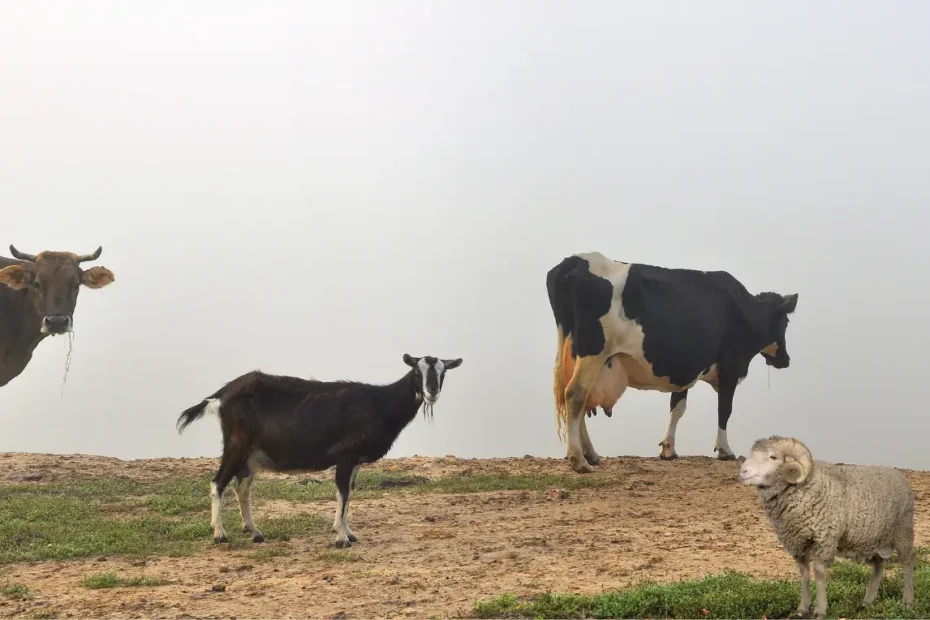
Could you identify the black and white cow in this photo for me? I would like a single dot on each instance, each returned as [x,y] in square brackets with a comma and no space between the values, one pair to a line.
[651,328]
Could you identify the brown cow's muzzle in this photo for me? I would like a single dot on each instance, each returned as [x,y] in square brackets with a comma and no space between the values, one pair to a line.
[56,324]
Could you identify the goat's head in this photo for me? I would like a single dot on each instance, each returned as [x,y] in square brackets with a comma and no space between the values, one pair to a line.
[428,375]
[777,461]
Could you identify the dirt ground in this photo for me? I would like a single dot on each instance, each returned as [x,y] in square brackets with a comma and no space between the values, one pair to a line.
[428,555]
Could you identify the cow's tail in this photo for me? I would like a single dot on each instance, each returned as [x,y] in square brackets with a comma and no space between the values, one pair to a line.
[210,404]
[561,375]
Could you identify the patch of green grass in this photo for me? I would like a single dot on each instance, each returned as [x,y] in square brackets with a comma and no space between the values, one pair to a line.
[112,580]
[731,595]
[337,556]
[121,516]
[14,591]
[266,554]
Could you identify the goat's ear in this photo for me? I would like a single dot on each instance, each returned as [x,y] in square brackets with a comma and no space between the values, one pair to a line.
[790,303]
[410,361]
[17,276]
[450,364]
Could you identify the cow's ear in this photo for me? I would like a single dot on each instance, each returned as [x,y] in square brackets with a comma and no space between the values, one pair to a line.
[17,276]
[97,277]
[790,303]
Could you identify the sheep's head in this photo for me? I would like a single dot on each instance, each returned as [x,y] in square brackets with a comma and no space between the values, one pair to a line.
[776,461]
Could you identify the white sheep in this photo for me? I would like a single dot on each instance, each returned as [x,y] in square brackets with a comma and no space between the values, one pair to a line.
[821,511]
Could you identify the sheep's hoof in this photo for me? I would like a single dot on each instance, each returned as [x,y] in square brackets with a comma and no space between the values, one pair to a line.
[801,613]
[258,537]
[342,543]
[220,539]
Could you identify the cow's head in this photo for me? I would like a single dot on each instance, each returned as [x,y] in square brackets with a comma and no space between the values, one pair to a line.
[52,281]
[778,307]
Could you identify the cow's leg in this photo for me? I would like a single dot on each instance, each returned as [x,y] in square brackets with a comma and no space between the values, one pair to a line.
[587,370]
[724,409]
[243,490]
[587,448]
[677,405]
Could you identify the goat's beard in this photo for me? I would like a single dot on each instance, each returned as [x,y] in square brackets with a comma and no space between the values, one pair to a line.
[427,411]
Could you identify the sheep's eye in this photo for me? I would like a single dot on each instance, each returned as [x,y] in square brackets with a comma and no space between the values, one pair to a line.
[773,457]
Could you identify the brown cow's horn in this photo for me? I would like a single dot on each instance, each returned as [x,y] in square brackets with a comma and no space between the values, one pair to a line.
[93,256]
[17,254]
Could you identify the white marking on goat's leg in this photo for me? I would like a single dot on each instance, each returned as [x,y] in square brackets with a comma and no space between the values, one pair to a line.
[722,447]
[668,442]
[244,495]
[345,519]
[216,521]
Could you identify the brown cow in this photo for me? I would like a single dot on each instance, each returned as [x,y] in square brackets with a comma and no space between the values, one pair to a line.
[38,300]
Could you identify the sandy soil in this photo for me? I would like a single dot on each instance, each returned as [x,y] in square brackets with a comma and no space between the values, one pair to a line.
[426,555]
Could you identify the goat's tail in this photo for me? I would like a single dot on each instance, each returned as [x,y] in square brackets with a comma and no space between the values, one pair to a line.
[210,404]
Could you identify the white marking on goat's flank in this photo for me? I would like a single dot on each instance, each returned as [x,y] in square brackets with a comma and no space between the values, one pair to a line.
[722,445]
[213,406]
[217,512]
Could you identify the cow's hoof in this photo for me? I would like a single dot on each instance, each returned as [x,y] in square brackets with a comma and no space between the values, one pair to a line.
[580,465]
[592,459]
[342,543]
[668,457]
[220,539]
[723,456]
[353,538]
[258,537]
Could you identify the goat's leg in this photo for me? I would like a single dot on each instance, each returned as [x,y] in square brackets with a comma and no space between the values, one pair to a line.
[222,478]
[243,490]
[344,536]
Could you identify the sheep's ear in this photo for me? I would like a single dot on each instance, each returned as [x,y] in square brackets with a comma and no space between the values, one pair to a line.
[793,472]
[410,361]
[450,364]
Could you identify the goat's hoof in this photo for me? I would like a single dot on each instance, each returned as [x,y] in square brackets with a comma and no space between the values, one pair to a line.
[592,459]
[258,537]
[220,539]
[343,543]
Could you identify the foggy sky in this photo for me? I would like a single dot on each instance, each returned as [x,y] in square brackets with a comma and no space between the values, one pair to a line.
[316,189]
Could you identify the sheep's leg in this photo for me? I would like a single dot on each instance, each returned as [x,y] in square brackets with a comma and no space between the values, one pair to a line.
[587,448]
[804,608]
[871,590]
[820,580]
[724,409]
[677,405]
[243,490]
[344,475]
[587,370]
[907,558]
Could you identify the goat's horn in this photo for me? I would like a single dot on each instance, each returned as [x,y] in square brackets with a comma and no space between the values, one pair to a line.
[17,254]
[94,256]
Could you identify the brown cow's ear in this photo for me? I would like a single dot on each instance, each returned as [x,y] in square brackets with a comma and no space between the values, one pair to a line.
[97,277]
[17,276]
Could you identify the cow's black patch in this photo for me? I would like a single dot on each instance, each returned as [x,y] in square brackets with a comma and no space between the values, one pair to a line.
[579,299]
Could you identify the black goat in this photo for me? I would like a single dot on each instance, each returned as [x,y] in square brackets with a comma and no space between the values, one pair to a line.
[287,423]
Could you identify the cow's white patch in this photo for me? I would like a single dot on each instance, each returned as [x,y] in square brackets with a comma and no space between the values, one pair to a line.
[668,442]
[723,447]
